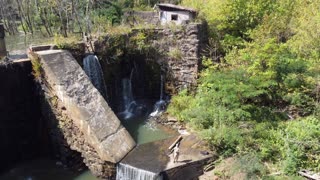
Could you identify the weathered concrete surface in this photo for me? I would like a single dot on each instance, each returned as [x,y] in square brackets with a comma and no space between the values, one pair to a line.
[85,106]
[155,157]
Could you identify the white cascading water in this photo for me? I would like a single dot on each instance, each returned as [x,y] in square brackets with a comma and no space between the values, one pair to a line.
[128,101]
[159,107]
[130,105]
[93,70]
[127,172]
[127,91]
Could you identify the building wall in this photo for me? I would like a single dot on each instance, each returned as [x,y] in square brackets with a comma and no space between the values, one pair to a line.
[141,17]
[182,16]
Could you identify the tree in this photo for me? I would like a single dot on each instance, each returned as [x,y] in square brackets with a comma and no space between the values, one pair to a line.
[9,16]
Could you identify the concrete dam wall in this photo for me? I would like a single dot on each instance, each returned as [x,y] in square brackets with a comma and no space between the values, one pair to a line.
[22,135]
[86,121]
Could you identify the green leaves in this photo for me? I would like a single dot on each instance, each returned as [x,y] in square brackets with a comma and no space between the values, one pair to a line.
[303,143]
[263,96]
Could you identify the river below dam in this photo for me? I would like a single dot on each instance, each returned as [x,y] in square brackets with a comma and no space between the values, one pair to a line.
[48,169]
[44,169]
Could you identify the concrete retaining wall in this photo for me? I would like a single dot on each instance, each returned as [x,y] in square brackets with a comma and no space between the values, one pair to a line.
[84,104]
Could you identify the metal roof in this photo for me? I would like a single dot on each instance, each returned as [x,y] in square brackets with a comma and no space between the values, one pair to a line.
[172,7]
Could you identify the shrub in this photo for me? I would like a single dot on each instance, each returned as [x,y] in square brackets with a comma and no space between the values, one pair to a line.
[179,104]
[249,164]
[224,139]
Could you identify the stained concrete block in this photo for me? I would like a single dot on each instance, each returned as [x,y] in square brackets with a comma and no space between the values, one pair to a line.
[85,105]
[156,157]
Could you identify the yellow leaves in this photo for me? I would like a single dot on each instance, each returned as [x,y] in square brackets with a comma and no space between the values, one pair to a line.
[211,10]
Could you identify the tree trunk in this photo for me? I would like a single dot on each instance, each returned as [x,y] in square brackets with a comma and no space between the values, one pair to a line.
[22,17]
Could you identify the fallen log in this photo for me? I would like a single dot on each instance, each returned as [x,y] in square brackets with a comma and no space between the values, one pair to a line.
[309,175]
[175,142]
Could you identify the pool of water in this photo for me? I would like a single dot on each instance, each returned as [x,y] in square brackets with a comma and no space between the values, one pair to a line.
[142,129]
[141,126]
[86,175]
[147,131]
[21,42]
[44,169]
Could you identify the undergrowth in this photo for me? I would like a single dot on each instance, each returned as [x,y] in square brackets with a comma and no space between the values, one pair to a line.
[258,94]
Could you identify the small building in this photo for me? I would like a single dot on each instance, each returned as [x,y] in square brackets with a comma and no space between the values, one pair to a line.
[175,14]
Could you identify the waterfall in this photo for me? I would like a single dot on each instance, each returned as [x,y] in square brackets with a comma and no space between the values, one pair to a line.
[161,88]
[93,70]
[159,106]
[130,106]
[127,172]
[128,101]
[127,93]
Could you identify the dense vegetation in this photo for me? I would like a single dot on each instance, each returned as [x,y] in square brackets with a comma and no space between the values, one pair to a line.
[64,17]
[258,94]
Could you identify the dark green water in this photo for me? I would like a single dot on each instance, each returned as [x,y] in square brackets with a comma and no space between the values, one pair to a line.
[47,169]
[144,131]
[44,169]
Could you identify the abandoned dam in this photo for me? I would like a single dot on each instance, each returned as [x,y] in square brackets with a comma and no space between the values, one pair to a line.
[97,107]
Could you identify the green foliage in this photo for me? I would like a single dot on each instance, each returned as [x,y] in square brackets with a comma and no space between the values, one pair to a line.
[249,164]
[179,103]
[175,53]
[36,67]
[225,139]
[284,78]
[263,95]
[126,3]
[245,166]
[109,12]
[139,40]
[231,21]
[66,43]
[302,138]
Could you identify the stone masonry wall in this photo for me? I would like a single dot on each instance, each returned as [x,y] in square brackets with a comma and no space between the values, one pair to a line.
[182,48]
[177,49]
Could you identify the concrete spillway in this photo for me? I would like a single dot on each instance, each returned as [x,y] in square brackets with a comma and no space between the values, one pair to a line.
[127,172]
[85,105]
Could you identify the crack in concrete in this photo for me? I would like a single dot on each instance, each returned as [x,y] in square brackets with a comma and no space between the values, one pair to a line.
[111,134]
